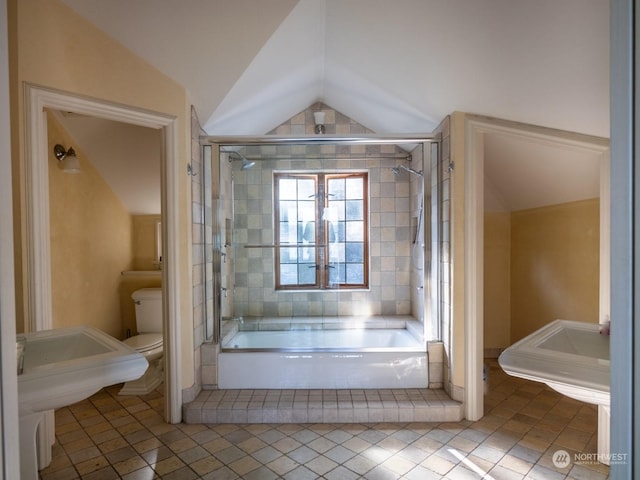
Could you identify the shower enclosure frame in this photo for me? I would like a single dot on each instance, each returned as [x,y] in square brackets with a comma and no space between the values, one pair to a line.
[212,332]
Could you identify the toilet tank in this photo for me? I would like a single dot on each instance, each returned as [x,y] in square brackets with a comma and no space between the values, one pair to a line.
[148,302]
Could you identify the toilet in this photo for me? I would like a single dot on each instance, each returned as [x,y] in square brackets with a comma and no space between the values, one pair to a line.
[148,341]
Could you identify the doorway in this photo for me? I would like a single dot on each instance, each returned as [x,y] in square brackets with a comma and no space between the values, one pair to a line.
[38,230]
[476,131]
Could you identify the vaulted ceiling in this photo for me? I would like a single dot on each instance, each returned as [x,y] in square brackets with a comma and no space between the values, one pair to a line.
[395,66]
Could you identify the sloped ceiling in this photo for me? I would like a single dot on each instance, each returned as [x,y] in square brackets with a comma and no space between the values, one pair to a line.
[127,157]
[394,66]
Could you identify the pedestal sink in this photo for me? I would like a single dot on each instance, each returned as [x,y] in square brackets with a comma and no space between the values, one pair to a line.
[573,359]
[61,367]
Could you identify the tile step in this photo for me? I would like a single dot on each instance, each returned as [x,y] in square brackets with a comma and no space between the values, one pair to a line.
[322,406]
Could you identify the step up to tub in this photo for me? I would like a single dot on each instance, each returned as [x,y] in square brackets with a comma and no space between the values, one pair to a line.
[322,406]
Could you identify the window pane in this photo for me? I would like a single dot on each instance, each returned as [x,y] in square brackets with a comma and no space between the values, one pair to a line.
[337,209]
[307,274]
[354,210]
[288,274]
[336,274]
[336,188]
[287,188]
[336,252]
[355,273]
[355,252]
[307,254]
[306,188]
[354,188]
[309,232]
[355,231]
[340,231]
[288,255]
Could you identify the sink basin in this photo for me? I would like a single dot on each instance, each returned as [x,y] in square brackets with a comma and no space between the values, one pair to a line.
[61,367]
[573,359]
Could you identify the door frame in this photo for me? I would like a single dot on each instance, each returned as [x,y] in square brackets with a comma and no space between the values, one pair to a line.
[475,128]
[38,251]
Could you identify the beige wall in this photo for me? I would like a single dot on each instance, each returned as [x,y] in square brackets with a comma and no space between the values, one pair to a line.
[497,280]
[91,244]
[554,265]
[82,60]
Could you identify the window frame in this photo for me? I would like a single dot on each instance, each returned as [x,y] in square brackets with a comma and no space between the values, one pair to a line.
[322,244]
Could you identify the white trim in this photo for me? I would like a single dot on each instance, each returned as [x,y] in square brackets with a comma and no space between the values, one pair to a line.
[475,129]
[473,273]
[9,437]
[37,211]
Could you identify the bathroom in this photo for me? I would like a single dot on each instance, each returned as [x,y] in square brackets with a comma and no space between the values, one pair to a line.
[158,94]
[117,251]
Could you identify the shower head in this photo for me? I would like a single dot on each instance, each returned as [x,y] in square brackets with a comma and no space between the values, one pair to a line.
[396,170]
[246,164]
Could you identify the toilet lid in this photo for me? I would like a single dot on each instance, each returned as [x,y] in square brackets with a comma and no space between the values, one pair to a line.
[146,341]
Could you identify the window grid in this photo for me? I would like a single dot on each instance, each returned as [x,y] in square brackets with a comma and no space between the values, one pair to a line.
[323,216]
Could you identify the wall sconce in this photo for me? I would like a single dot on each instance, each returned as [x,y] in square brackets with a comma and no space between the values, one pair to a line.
[69,163]
[318,117]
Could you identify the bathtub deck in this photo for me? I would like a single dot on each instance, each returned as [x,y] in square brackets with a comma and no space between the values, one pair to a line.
[322,406]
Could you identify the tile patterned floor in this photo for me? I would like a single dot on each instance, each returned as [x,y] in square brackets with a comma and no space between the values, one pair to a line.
[109,437]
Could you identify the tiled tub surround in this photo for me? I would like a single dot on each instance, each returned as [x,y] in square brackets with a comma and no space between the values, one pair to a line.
[392,211]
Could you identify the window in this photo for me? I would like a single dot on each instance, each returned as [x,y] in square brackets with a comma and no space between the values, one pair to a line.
[321,230]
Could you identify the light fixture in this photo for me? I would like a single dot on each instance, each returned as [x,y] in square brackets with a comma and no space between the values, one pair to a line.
[318,117]
[69,163]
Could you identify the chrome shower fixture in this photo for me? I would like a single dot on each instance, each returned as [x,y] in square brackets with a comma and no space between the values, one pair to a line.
[246,164]
[396,170]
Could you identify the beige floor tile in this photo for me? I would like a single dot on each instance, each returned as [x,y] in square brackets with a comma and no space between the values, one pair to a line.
[129,465]
[108,436]
[206,465]
[282,465]
[244,465]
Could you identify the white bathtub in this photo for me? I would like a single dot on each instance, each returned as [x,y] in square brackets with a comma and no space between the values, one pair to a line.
[323,359]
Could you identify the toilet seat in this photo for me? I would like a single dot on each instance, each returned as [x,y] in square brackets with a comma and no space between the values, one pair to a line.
[145,342]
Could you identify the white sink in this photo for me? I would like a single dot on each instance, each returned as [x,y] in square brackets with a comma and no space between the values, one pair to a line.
[61,367]
[571,358]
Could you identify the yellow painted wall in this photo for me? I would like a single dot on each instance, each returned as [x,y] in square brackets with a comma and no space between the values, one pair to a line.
[83,60]
[554,265]
[91,243]
[497,279]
